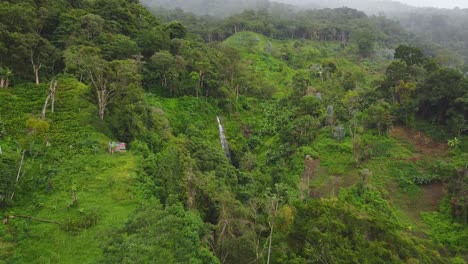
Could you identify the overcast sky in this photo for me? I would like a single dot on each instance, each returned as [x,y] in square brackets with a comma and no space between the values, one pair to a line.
[424,3]
[438,3]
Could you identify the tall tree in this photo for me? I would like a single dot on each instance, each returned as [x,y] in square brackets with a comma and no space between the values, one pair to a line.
[410,55]
[38,51]
[162,67]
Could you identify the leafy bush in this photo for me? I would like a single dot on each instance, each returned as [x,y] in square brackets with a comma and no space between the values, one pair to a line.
[422,179]
[159,235]
[405,174]
[446,232]
[330,230]
[84,220]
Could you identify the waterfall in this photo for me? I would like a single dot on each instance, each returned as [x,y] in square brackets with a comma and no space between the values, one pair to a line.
[222,138]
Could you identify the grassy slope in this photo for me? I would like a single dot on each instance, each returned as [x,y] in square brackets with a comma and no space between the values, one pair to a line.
[107,191]
[78,158]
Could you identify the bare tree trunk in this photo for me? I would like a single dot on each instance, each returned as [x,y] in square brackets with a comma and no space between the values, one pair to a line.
[50,96]
[274,211]
[53,89]
[103,98]
[36,67]
[103,101]
[101,104]
[18,175]
[269,243]
[44,108]
[36,72]
[103,93]
[32,218]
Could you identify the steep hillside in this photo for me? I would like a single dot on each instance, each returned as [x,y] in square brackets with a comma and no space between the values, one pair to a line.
[69,183]
[339,143]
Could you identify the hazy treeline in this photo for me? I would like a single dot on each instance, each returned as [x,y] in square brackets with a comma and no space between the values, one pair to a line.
[443,27]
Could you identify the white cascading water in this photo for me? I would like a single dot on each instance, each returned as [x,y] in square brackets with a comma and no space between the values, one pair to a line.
[222,138]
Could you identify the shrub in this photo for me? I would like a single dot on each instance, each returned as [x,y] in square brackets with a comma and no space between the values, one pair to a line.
[83,220]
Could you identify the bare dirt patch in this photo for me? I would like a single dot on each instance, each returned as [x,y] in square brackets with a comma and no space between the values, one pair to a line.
[427,149]
[424,145]
[310,167]
[427,201]
[431,196]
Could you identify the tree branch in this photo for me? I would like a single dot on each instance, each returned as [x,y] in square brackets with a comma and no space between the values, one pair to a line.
[35,219]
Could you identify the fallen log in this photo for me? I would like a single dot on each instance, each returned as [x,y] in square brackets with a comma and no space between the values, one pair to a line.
[35,219]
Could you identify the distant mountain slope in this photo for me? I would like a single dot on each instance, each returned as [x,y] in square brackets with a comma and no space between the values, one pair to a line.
[209,7]
[221,8]
[368,6]
[443,27]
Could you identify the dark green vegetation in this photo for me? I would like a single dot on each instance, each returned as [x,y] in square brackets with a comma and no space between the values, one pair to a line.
[327,164]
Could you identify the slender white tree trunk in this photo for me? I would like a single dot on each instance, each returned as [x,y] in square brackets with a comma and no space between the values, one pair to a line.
[50,96]
[44,108]
[269,243]
[36,73]
[19,174]
[274,210]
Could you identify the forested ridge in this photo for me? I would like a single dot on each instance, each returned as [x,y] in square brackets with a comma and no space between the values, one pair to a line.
[346,137]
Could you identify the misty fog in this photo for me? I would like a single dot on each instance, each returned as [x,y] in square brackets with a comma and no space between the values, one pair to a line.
[429,20]
[224,8]
[364,3]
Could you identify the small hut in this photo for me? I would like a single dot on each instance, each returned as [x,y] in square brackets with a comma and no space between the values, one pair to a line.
[117,147]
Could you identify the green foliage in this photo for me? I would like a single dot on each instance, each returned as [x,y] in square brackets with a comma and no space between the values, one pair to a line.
[410,55]
[82,221]
[365,41]
[162,70]
[301,131]
[379,116]
[446,232]
[335,156]
[7,176]
[320,226]
[439,91]
[310,105]
[454,143]
[281,96]
[301,81]
[176,30]
[117,47]
[439,94]
[154,234]
[405,174]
